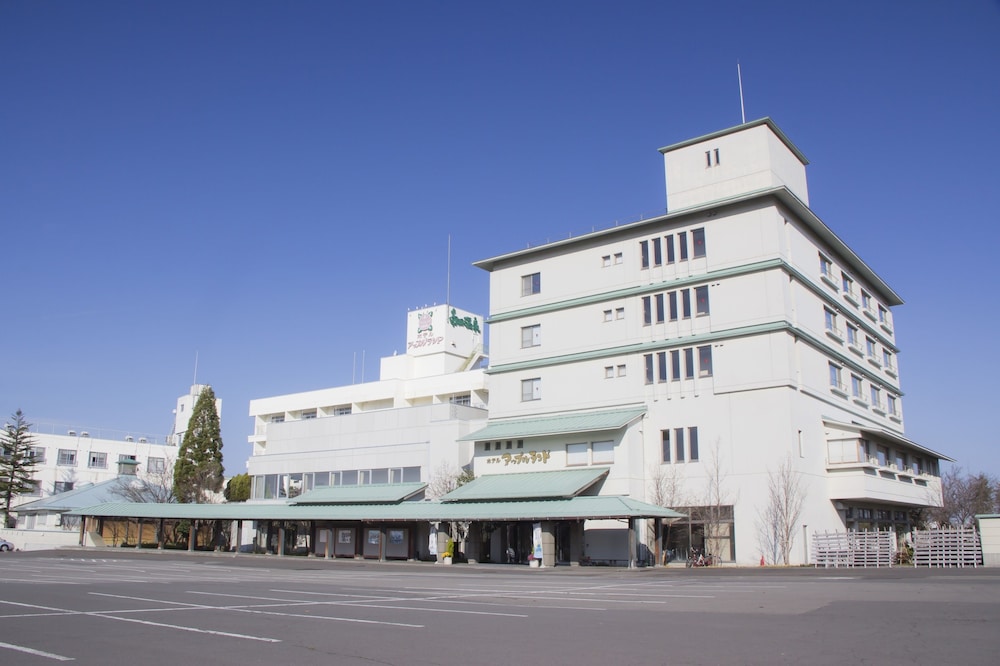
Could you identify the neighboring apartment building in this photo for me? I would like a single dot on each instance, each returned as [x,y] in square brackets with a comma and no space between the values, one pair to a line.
[698,352]
[401,428]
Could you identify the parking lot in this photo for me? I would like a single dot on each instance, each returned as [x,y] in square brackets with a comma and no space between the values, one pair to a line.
[101,607]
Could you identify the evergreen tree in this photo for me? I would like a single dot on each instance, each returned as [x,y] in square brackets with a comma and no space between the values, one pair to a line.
[198,470]
[17,465]
[238,488]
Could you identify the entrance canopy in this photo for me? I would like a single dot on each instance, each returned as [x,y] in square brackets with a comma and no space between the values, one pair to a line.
[561,424]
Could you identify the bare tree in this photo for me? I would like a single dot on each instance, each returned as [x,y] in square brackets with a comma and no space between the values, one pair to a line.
[716,505]
[777,520]
[964,495]
[666,486]
[154,488]
[446,478]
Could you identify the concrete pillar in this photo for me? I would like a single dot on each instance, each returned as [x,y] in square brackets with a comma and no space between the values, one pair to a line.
[138,541]
[193,535]
[239,535]
[83,530]
[281,539]
[548,543]
[329,543]
[160,535]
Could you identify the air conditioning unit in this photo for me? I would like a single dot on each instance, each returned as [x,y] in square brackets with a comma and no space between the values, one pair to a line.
[873,461]
[909,470]
[71,433]
[84,434]
[142,440]
[894,466]
[128,438]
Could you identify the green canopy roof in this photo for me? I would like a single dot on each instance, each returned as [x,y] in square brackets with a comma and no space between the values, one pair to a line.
[383,493]
[528,485]
[539,426]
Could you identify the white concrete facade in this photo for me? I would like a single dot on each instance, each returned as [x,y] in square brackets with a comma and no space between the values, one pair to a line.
[401,427]
[741,324]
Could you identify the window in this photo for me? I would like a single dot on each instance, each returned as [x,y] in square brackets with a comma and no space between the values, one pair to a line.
[531,284]
[609,371]
[835,381]
[701,300]
[866,300]
[621,370]
[661,366]
[856,387]
[603,453]
[698,241]
[887,360]
[98,459]
[277,418]
[852,335]
[156,465]
[679,444]
[531,336]
[692,444]
[657,252]
[705,361]
[576,454]
[461,399]
[672,299]
[681,450]
[870,348]
[830,319]
[682,242]
[847,283]
[607,315]
[892,405]
[883,316]
[876,395]
[882,453]
[531,389]
[863,450]
[675,364]
[686,303]
[342,410]
[308,414]
[619,313]
[668,240]
[659,308]
[37,454]
[62,487]
[689,363]
[644,254]
[825,267]
[606,260]
[647,311]
[618,257]
[665,445]
[66,457]
[648,358]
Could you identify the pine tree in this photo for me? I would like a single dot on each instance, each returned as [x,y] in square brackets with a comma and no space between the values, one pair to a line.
[17,465]
[198,470]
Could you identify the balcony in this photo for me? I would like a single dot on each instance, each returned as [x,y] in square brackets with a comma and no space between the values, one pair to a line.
[868,481]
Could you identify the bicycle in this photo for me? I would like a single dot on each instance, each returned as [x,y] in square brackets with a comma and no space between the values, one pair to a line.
[698,558]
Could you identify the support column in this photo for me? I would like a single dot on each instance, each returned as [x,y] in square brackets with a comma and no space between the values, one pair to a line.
[548,543]
[138,541]
[632,563]
[281,539]
[329,543]
[83,530]
[160,535]
[658,536]
[192,535]
[239,535]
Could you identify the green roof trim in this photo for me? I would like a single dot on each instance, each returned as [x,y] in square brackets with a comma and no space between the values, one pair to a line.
[561,484]
[573,508]
[383,493]
[560,424]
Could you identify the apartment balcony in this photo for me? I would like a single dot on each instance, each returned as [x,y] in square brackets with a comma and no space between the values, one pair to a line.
[869,481]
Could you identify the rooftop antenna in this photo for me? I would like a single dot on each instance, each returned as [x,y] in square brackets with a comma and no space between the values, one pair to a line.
[195,382]
[447,291]
[739,76]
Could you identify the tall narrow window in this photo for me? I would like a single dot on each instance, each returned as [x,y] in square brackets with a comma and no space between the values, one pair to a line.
[657,252]
[682,242]
[647,311]
[644,254]
[705,361]
[668,240]
[665,445]
[672,297]
[531,336]
[531,389]
[856,386]
[686,303]
[648,358]
[701,299]
[825,266]
[659,308]
[679,444]
[698,241]
[675,364]
[661,366]
[693,444]
[689,363]
[531,284]
[835,377]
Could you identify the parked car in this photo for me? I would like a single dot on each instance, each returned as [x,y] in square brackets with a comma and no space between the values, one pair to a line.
[5,545]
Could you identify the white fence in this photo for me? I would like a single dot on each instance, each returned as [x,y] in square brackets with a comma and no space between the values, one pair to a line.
[947,547]
[854,549]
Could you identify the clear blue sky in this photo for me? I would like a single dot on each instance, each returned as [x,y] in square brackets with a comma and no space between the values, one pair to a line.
[271,185]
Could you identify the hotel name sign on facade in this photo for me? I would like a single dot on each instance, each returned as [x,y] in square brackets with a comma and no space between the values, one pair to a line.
[440,328]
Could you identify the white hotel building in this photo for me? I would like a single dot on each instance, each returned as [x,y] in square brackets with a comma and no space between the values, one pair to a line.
[700,351]
[401,428]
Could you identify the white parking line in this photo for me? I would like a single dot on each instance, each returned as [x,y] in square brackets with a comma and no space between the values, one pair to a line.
[37,653]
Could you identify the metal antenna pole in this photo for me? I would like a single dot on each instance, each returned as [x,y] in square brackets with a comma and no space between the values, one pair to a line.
[739,75]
